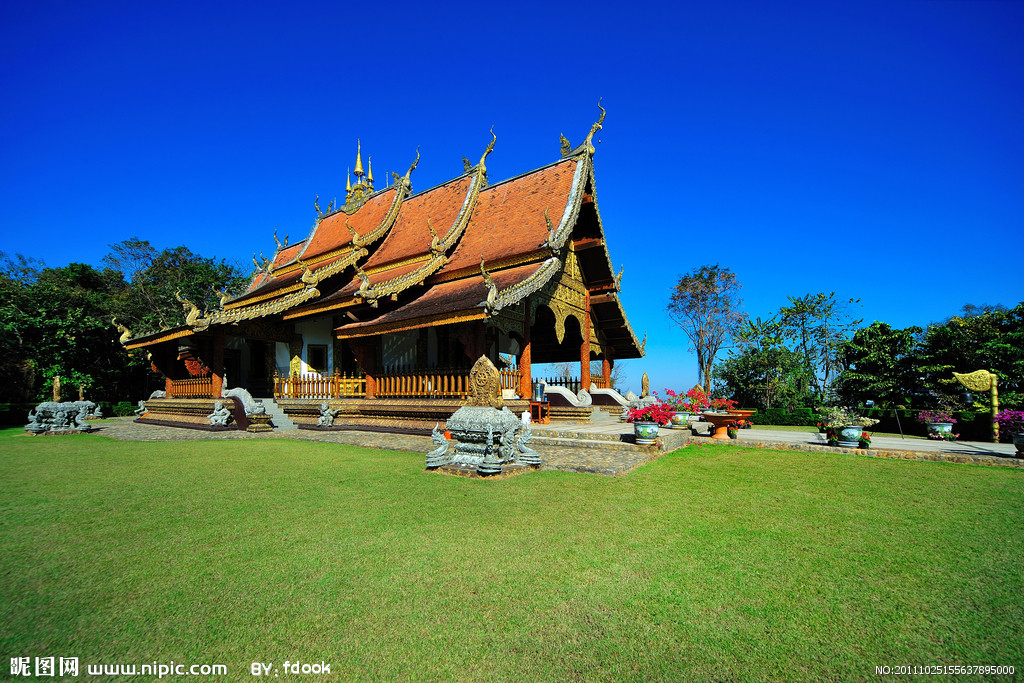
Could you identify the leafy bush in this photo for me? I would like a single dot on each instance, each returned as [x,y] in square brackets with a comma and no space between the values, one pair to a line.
[124,409]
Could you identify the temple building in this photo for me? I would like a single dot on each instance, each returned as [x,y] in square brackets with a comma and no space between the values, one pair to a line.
[394,294]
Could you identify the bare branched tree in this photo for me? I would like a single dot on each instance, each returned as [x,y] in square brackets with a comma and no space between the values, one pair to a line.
[706,304]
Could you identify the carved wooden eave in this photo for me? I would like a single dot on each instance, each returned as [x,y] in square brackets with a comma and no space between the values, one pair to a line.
[437,256]
[157,337]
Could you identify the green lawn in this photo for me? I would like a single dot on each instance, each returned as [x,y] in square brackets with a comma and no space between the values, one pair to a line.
[713,562]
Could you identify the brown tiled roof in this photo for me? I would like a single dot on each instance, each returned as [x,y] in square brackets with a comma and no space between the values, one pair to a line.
[509,217]
[288,254]
[410,236]
[445,299]
[331,233]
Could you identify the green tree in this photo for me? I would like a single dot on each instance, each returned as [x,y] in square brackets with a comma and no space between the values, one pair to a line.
[56,321]
[881,365]
[707,306]
[154,279]
[762,372]
[979,338]
[818,325]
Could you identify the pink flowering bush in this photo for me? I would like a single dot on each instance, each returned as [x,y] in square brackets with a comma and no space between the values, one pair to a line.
[660,413]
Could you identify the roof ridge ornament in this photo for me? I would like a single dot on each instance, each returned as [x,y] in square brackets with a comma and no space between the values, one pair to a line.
[316,205]
[490,148]
[223,294]
[595,128]
[566,148]
[550,242]
[435,241]
[618,278]
[126,334]
[587,145]
[492,289]
[356,239]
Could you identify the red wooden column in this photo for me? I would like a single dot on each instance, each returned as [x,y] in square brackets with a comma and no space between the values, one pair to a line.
[525,356]
[217,363]
[585,348]
[606,368]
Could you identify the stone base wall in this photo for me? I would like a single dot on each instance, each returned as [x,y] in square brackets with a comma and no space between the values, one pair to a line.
[403,416]
[191,413]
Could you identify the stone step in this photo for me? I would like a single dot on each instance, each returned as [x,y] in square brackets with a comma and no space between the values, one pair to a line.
[277,415]
[540,442]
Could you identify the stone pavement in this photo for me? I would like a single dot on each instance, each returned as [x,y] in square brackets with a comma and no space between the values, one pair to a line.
[602,448]
[969,452]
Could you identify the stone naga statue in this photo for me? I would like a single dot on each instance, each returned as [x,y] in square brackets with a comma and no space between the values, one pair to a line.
[439,456]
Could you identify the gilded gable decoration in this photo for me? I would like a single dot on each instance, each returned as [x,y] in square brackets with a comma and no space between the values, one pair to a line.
[439,247]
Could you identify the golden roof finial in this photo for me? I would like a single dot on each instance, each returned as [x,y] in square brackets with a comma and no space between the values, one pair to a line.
[358,173]
[369,172]
[348,184]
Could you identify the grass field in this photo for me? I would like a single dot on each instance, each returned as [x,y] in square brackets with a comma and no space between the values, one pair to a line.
[713,562]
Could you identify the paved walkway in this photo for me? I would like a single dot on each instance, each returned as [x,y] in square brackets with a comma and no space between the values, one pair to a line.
[971,452]
[600,448]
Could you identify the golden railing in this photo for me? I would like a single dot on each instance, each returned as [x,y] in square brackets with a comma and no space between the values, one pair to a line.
[196,387]
[390,384]
[319,386]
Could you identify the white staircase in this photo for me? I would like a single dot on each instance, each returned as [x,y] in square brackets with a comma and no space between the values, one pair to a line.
[278,416]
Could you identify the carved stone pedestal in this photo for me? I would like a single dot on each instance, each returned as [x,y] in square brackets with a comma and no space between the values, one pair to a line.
[259,423]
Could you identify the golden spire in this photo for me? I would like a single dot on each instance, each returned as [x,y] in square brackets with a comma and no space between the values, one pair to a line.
[358,173]
[348,183]
[369,174]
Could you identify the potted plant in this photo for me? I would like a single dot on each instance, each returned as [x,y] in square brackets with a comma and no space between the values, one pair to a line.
[680,406]
[843,427]
[646,421]
[865,440]
[939,423]
[1011,422]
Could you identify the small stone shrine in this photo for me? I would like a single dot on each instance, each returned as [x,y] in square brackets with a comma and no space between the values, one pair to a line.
[489,438]
[52,418]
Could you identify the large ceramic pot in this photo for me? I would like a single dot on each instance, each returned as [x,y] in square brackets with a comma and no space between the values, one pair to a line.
[721,422]
[680,420]
[939,429]
[645,432]
[1018,441]
[849,436]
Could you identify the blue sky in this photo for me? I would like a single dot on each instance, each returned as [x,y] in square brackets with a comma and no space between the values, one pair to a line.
[871,149]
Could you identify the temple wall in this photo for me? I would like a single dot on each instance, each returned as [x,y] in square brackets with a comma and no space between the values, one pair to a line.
[316,333]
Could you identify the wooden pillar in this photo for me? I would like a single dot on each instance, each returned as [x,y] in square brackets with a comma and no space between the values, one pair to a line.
[585,348]
[606,368]
[217,363]
[525,357]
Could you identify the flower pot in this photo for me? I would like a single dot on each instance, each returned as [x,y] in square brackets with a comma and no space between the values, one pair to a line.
[645,432]
[938,430]
[849,436]
[680,420]
[1018,441]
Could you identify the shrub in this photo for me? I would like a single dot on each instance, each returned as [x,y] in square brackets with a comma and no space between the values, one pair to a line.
[124,409]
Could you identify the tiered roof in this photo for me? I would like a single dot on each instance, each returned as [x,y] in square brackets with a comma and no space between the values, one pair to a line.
[392,260]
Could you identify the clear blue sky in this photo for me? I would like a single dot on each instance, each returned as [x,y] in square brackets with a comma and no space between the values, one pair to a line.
[875,149]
